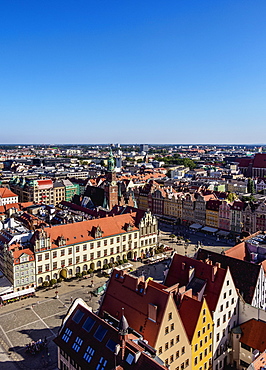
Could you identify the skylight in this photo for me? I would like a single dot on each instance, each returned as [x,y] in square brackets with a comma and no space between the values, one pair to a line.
[88,324]
[100,333]
[111,344]
[129,358]
[78,316]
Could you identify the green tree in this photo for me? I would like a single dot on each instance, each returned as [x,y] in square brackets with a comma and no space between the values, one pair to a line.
[251,187]
[231,197]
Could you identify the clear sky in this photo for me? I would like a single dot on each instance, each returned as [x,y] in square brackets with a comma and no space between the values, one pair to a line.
[131,71]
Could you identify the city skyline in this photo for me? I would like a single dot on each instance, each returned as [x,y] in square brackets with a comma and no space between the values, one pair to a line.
[102,72]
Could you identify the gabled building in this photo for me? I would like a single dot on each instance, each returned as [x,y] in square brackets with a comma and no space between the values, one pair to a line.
[200,207]
[216,286]
[225,216]
[249,278]
[86,341]
[68,249]
[188,209]
[236,220]
[151,310]
[197,320]
[212,213]
[7,197]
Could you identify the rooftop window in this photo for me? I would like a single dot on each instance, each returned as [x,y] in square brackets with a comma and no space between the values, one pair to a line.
[88,324]
[129,358]
[111,344]
[100,333]
[78,316]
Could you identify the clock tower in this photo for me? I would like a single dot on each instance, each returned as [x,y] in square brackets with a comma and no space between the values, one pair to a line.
[111,188]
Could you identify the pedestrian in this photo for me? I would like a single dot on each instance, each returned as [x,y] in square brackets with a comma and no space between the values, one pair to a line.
[71,299]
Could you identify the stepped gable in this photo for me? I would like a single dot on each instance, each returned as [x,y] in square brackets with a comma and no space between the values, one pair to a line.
[134,295]
[244,274]
[213,276]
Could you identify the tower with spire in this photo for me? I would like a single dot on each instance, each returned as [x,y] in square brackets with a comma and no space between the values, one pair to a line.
[111,188]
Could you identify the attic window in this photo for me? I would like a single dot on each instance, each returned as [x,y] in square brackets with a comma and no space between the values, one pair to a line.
[77,344]
[78,316]
[89,354]
[100,333]
[111,344]
[101,364]
[67,335]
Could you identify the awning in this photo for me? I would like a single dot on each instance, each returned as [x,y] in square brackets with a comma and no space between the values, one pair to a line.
[195,226]
[209,229]
[20,293]
[223,233]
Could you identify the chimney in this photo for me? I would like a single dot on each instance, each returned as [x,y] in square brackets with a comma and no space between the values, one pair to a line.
[214,270]
[218,264]
[183,266]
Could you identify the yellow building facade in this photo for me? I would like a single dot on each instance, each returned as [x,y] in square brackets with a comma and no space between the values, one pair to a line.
[201,344]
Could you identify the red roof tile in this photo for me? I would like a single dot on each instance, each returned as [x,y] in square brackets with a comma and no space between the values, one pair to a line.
[254,334]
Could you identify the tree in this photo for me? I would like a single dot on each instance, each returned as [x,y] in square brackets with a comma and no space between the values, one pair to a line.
[172,236]
[251,187]
[231,197]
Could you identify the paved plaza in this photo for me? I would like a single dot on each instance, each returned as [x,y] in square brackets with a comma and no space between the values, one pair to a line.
[40,317]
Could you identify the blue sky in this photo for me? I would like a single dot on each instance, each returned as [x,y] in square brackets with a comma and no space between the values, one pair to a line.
[130,71]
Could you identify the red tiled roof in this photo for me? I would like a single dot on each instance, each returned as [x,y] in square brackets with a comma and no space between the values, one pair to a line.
[124,291]
[18,253]
[238,251]
[259,160]
[254,334]
[213,204]
[189,313]
[79,232]
[6,193]
[214,276]
[45,184]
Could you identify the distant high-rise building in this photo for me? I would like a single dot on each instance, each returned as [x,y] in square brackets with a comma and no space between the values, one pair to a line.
[144,147]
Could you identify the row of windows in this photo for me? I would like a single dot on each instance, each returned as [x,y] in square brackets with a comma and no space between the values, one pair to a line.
[224,318]
[171,328]
[182,366]
[202,354]
[204,330]
[206,366]
[201,344]
[171,344]
[227,303]
[63,252]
